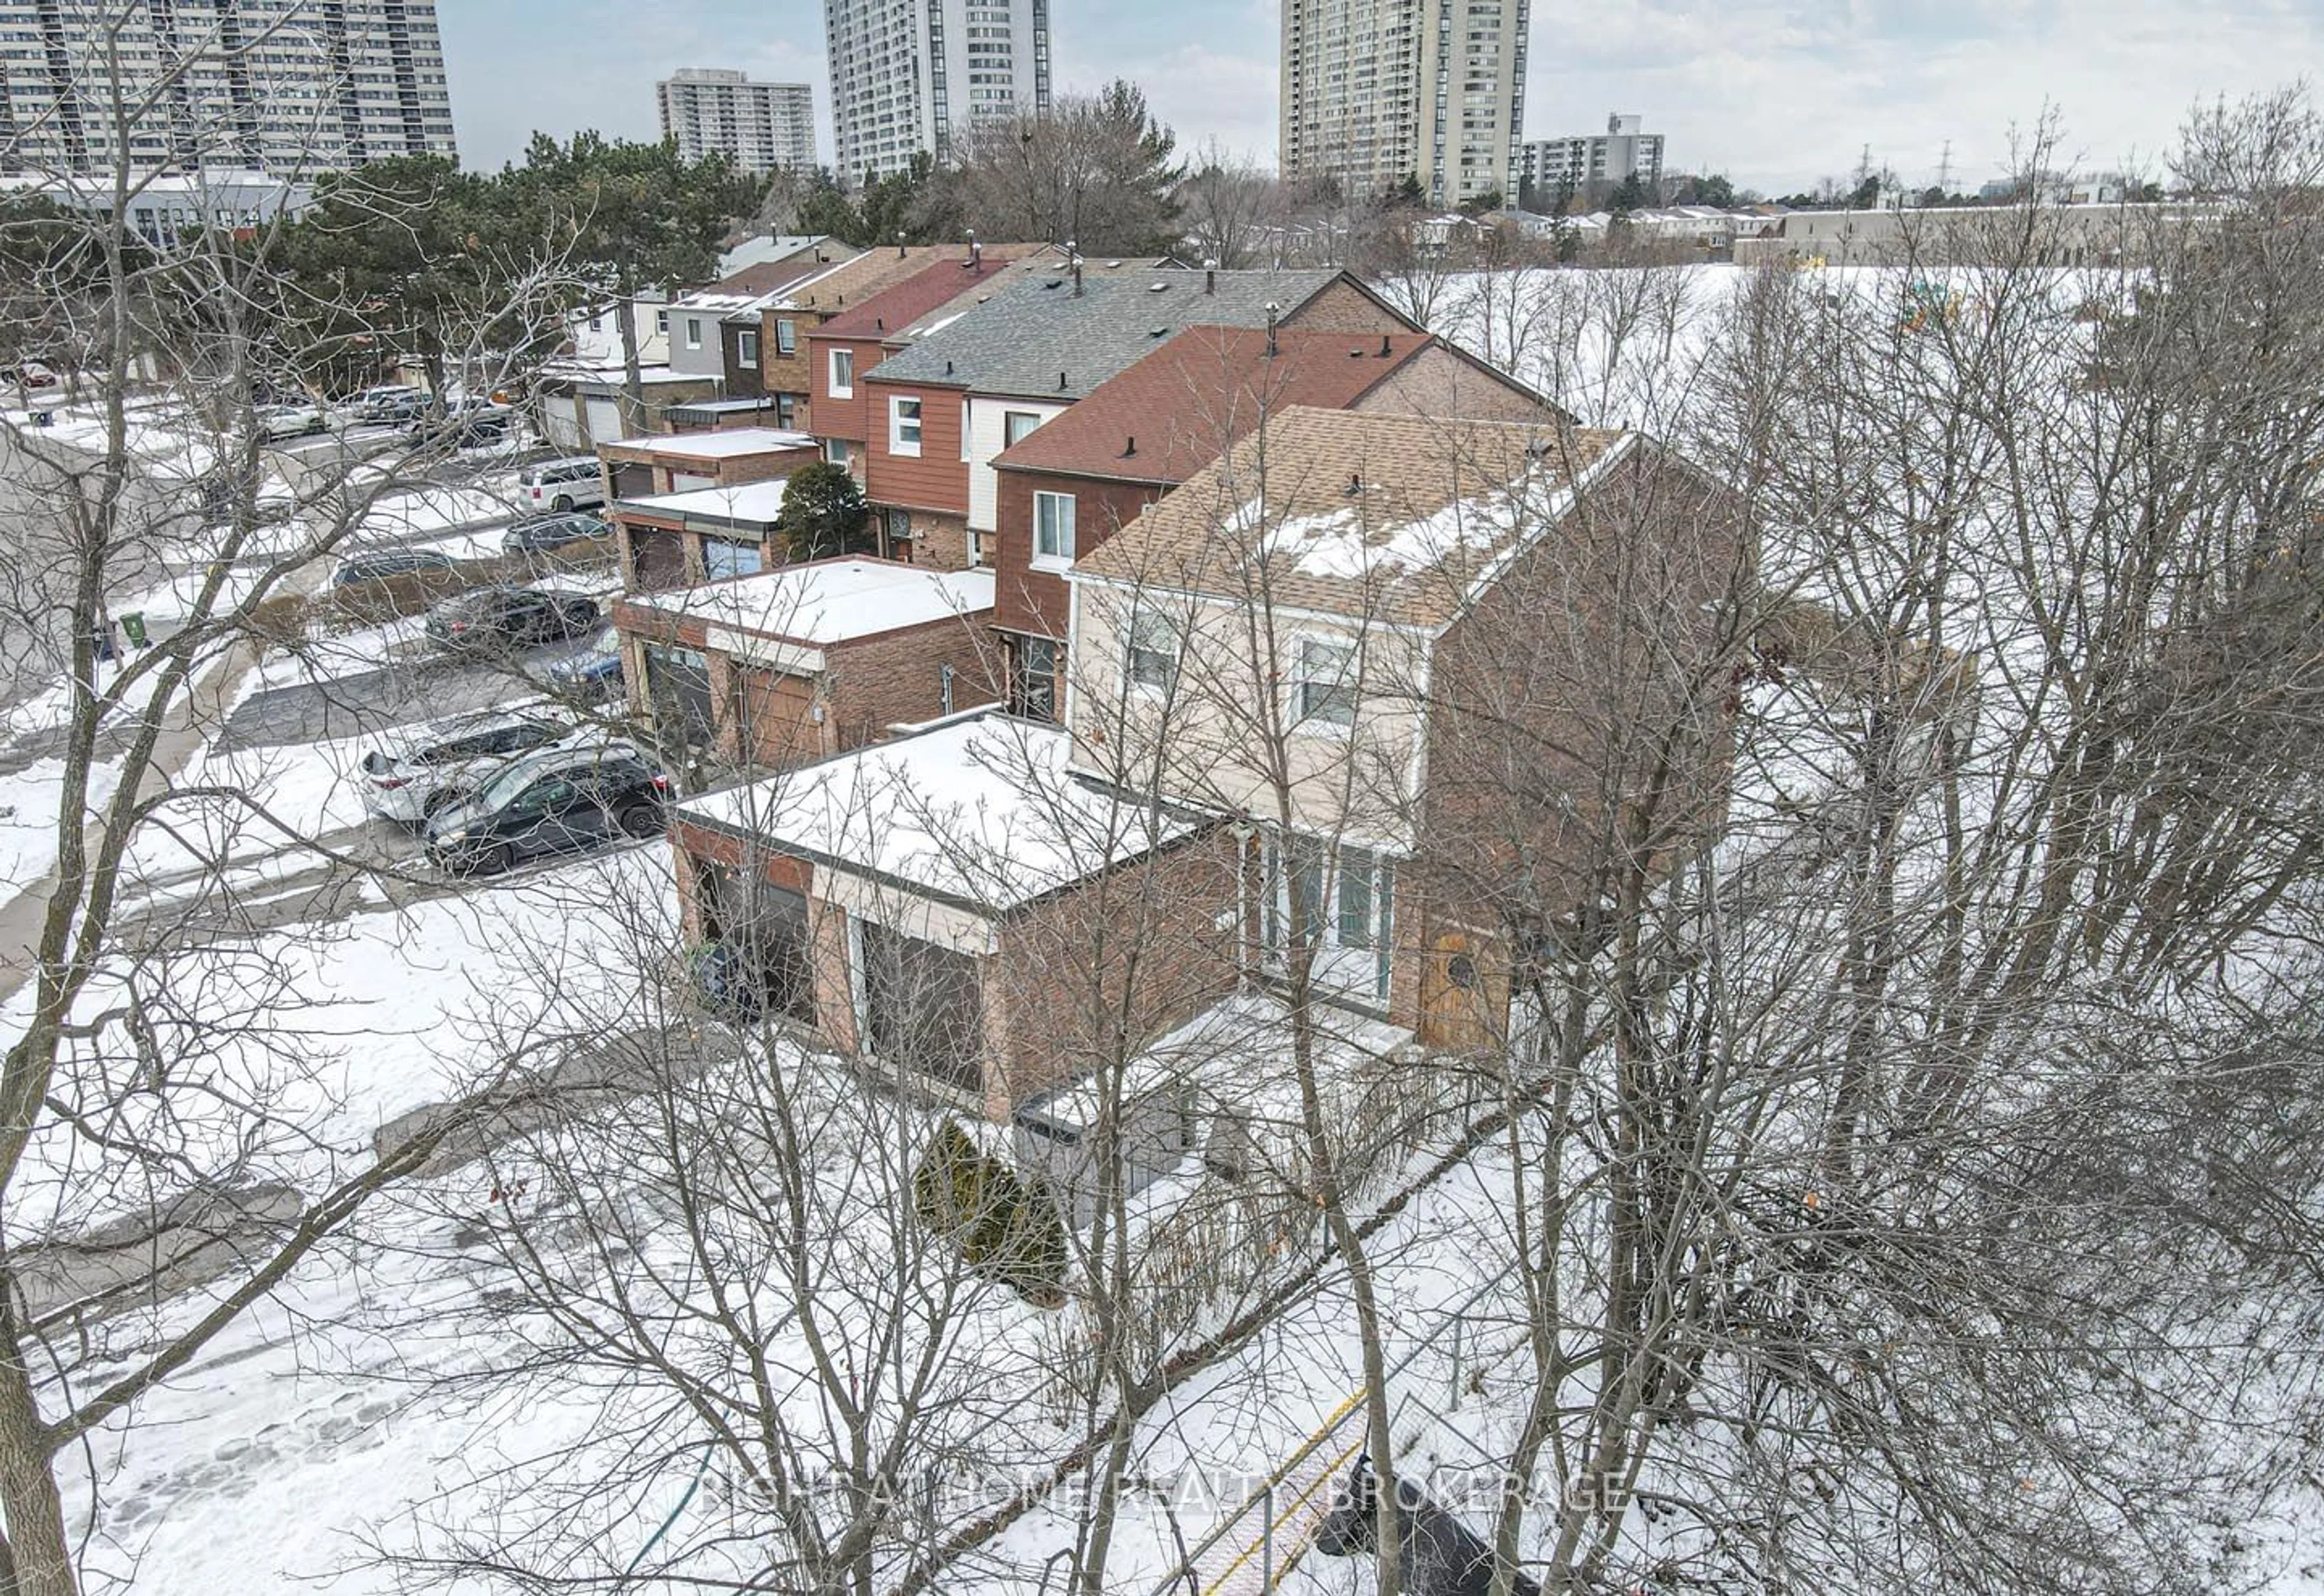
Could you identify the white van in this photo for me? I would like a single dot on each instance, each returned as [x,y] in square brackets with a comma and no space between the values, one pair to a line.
[573,483]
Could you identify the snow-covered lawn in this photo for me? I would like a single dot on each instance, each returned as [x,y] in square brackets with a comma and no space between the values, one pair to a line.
[30,801]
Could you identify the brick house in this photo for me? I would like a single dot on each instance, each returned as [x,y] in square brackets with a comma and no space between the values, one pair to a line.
[1478,660]
[926,905]
[803,661]
[938,413]
[702,535]
[787,320]
[1079,477]
[845,348]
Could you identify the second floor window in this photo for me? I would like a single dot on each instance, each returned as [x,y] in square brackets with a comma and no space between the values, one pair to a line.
[904,425]
[694,332]
[1153,651]
[746,351]
[1017,426]
[786,338]
[1053,526]
[843,372]
[661,321]
[1326,683]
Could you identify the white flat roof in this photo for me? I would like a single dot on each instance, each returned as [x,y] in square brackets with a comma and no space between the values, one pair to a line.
[830,601]
[718,446]
[752,501]
[981,811]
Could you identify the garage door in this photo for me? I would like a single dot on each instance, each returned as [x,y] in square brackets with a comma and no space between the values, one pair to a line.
[923,1007]
[778,710]
[604,420]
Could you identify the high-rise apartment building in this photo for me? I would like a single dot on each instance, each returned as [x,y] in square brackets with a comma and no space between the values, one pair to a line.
[280,86]
[1587,162]
[1376,91]
[758,127]
[913,75]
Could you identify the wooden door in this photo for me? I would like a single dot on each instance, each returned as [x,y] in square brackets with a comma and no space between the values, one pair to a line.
[1463,996]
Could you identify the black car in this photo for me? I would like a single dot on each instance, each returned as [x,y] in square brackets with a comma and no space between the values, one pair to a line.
[545,534]
[390,562]
[559,800]
[497,618]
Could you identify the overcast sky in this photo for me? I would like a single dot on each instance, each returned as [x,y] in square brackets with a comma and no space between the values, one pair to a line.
[1775,92]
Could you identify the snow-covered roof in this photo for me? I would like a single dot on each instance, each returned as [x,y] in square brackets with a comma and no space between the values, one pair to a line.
[830,601]
[980,811]
[649,376]
[757,502]
[732,444]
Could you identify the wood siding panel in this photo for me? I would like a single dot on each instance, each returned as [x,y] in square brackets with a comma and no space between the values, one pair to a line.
[938,479]
[1037,602]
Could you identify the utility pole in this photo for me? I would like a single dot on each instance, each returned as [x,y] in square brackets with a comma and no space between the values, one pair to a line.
[1945,171]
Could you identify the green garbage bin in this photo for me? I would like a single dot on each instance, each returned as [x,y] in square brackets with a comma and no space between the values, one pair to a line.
[134,624]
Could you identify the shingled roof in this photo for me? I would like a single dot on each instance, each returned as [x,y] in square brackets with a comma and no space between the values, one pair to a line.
[1389,518]
[891,312]
[1038,339]
[854,283]
[1172,413]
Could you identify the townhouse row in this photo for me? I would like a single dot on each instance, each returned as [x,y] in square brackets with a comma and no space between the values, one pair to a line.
[1222,629]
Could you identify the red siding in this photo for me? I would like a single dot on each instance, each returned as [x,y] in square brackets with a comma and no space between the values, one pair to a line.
[1035,601]
[938,479]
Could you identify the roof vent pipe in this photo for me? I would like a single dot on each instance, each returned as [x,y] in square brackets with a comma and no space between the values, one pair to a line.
[975,253]
[1211,276]
[1385,350]
[1061,382]
[1130,451]
[900,243]
[1273,310]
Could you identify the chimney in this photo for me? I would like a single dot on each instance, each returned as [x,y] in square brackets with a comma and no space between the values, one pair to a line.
[1210,276]
[1273,310]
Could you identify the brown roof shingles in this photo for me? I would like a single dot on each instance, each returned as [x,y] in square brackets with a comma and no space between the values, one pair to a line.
[1377,517]
[1188,400]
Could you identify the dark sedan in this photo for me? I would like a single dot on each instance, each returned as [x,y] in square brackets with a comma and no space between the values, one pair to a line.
[595,673]
[391,562]
[491,620]
[559,800]
[547,534]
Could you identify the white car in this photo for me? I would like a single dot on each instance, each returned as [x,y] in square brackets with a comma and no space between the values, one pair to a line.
[417,771]
[290,421]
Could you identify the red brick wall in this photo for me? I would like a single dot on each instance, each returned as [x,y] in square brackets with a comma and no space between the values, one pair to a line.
[1142,940]
[938,479]
[1037,602]
[1588,675]
[1344,307]
[898,676]
[1438,382]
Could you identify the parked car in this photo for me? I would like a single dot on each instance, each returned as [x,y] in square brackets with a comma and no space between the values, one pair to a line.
[494,619]
[30,374]
[545,534]
[289,421]
[378,566]
[413,773]
[573,483]
[391,401]
[557,801]
[595,673]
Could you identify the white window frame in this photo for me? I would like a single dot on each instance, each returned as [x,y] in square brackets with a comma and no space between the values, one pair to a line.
[834,452]
[786,339]
[842,360]
[1140,637]
[746,349]
[694,332]
[898,444]
[1058,555]
[662,322]
[1309,712]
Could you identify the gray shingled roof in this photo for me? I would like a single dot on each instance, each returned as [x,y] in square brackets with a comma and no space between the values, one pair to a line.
[1024,338]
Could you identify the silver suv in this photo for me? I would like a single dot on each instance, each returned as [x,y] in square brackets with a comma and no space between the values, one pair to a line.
[415,773]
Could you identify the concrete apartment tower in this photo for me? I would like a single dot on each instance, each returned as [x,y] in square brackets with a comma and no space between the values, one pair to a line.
[286,87]
[913,75]
[1375,91]
[1586,164]
[758,127]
